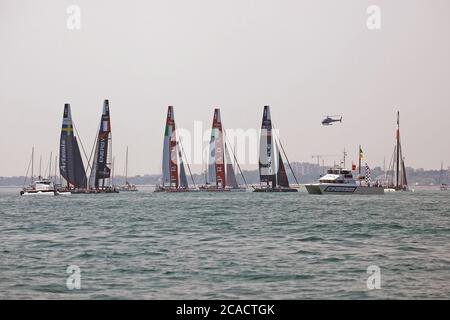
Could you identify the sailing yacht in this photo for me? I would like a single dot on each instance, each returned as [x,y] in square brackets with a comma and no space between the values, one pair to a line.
[127,187]
[443,186]
[220,172]
[272,172]
[173,171]
[397,181]
[71,165]
[100,175]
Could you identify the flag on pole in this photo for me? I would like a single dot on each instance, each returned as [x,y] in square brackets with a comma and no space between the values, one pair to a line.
[361,154]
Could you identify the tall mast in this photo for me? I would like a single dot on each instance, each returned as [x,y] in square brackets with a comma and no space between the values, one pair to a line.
[50,166]
[40,167]
[345,156]
[56,165]
[126,168]
[359,162]
[398,150]
[32,165]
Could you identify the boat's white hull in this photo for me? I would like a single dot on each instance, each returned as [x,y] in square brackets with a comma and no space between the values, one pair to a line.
[342,189]
[45,193]
[388,190]
[64,193]
[38,193]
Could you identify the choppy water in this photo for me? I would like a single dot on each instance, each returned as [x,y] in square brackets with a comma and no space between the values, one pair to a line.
[225,246]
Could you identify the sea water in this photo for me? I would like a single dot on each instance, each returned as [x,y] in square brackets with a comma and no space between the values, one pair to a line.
[148,245]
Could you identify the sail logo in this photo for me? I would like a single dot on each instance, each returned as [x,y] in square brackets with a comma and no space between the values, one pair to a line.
[101,151]
[63,152]
[340,189]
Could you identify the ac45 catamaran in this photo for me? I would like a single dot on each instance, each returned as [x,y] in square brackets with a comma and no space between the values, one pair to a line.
[272,172]
[100,176]
[71,165]
[220,176]
[173,174]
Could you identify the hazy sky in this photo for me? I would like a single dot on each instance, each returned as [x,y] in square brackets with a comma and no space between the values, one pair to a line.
[306,59]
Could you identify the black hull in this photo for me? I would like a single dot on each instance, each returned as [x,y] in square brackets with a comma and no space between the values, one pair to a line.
[90,191]
[275,190]
[174,190]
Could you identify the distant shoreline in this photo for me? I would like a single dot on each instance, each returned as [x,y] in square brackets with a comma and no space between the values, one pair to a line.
[305,172]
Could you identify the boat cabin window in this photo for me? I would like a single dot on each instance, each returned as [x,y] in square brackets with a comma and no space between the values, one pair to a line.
[332,181]
[43,182]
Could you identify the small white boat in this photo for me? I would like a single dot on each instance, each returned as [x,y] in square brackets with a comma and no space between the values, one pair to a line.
[40,187]
[127,187]
[341,181]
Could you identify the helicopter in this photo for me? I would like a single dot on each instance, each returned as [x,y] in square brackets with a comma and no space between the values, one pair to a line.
[328,121]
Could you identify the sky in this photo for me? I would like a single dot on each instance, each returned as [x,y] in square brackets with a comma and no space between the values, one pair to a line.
[306,59]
